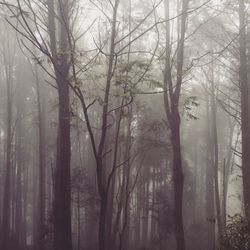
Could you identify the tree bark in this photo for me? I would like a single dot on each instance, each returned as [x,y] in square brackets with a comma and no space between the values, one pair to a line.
[7,184]
[171,100]
[41,170]
[210,216]
[102,182]
[244,89]
[178,181]
[102,222]
[62,190]
[215,155]
[62,195]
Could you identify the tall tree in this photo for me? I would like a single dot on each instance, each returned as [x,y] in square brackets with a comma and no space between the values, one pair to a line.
[104,180]
[244,90]
[41,187]
[215,153]
[171,98]
[59,41]
[8,58]
[210,216]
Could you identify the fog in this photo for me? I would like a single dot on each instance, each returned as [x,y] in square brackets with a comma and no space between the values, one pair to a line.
[124,125]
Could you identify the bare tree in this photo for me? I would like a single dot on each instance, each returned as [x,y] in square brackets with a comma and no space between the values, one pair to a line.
[171,99]
[244,89]
[8,60]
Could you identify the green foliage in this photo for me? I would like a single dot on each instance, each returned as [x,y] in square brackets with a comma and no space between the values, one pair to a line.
[133,65]
[126,67]
[237,234]
[156,84]
[122,80]
[190,103]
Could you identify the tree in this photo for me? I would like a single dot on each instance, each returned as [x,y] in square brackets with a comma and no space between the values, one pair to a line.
[42,171]
[244,90]
[114,177]
[8,58]
[57,51]
[61,64]
[171,97]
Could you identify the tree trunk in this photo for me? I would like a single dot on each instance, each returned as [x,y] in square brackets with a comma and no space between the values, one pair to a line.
[171,100]
[178,181]
[210,217]
[244,89]
[62,188]
[41,187]
[102,222]
[19,172]
[227,165]
[7,185]
[224,197]
[62,195]
[78,220]
[215,155]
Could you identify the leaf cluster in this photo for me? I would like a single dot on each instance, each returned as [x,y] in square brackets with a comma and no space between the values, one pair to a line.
[237,234]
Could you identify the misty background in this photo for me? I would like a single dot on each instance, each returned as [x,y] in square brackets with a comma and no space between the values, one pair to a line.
[124,125]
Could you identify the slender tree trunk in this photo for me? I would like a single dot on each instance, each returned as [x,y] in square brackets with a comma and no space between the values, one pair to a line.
[224,198]
[125,234]
[145,212]
[19,172]
[227,164]
[215,155]
[103,185]
[102,222]
[78,220]
[210,216]
[7,185]
[244,89]
[110,211]
[41,186]
[25,207]
[178,181]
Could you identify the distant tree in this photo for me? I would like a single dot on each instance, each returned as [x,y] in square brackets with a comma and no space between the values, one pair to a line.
[41,228]
[8,62]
